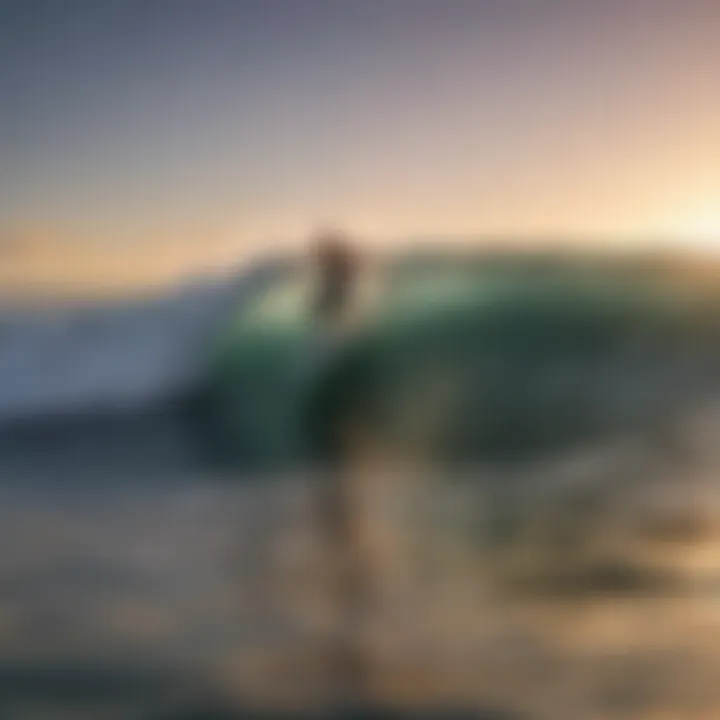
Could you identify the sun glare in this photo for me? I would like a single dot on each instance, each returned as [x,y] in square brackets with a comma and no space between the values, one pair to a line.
[697,230]
[705,224]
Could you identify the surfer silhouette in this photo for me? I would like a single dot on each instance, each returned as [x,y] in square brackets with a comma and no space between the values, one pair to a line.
[338,268]
[341,517]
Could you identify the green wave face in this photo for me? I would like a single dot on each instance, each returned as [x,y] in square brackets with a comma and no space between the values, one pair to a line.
[247,412]
[476,363]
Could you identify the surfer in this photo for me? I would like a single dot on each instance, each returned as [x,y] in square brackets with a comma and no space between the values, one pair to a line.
[337,267]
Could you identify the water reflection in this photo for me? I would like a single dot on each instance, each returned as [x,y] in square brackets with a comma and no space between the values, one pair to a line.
[575,590]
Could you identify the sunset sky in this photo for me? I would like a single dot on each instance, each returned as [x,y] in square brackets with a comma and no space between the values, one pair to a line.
[129,124]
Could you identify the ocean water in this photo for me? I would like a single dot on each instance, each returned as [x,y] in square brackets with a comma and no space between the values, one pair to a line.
[582,588]
[580,584]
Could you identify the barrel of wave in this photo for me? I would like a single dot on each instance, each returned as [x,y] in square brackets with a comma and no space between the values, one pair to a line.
[261,365]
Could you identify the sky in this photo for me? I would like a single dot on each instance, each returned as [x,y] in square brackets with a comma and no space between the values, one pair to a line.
[225,124]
